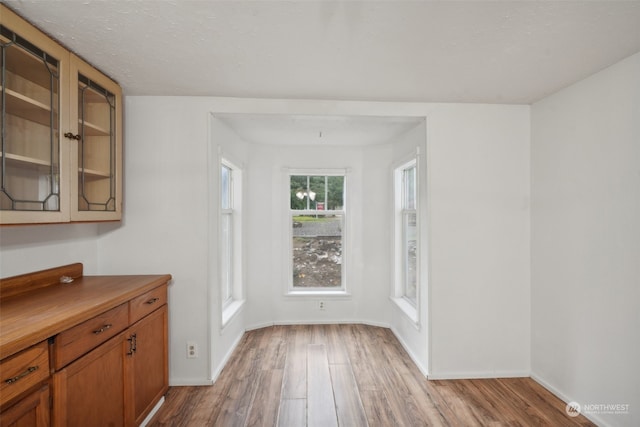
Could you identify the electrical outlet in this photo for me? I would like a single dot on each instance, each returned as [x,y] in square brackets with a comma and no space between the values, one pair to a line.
[321,305]
[192,350]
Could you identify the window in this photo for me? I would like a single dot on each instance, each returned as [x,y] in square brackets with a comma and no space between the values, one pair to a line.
[406,232]
[226,234]
[317,218]
[230,239]
[409,234]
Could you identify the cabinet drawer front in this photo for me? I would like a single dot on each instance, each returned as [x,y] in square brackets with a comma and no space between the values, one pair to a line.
[23,371]
[146,303]
[80,339]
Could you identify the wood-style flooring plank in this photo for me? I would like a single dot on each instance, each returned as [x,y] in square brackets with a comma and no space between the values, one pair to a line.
[361,359]
[336,347]
[206,409]
[347,397]
[293,413]
[318,334]
[295,369]
[377,409]
[321,407]
[266,402]
[235,407]
[432,408]
[179,404]
[463,409]
[402,404]
[542,401]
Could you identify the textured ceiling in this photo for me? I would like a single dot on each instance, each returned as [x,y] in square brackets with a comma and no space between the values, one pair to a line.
[424,51]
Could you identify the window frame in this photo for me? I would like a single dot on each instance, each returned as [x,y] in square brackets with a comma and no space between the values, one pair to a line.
[406,212]
[292,290]
[231,292]
[226,272]
[409,306]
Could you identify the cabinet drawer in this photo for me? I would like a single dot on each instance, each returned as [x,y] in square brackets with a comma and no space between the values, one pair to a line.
[23,371]
[146,303]
[80,339]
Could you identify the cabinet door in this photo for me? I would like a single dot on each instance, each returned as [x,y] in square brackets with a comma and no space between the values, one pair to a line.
[90,391]
[149,364]
[96,151]
[32,411]
[33,159]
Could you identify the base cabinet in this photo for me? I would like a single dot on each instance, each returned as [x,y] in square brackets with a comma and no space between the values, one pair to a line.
[89,352]
[119,382]
[32,410]
[89,392]
[149,373]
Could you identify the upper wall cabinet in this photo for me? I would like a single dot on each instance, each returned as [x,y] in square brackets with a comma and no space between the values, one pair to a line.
[61,134]
[96,150]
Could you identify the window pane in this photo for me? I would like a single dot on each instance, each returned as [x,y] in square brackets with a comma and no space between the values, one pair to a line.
[335,186]
[409,188]
[317,251]
[410,243]
[225,188]
[226,258]
[298,189]
[316,192]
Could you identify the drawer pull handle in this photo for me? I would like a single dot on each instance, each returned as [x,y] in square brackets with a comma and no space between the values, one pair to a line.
[104,328]
[29,370]
[152,301]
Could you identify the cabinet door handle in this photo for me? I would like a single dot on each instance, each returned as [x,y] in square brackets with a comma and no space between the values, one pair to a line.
[29,370]
[133,344]
[152,301]
[72,136]
[104,328]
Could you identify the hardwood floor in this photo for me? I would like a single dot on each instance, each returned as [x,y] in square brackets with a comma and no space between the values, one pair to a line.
[350,376]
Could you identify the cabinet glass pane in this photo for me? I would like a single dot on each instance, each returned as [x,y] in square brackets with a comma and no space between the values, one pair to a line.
[30,145]
[96,148]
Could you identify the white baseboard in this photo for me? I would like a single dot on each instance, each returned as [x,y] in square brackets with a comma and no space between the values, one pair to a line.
[153,412]
[478,375]
[225,359]
[562,396]
[180,382]
[317,322]
[423,369]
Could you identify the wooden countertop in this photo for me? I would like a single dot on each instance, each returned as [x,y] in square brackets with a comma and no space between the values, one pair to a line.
[32,317]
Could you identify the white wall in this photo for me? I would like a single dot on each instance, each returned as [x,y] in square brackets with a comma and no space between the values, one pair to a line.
[224,143]
[366,251]
[28,248]
[165,226]
[478,163]
[586,241]
[413,335]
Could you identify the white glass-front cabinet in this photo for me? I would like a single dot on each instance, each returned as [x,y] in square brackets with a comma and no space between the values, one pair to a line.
[96,150]
[60,135]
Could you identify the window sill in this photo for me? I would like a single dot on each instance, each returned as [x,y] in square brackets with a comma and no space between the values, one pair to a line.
[315,293]
[230,311]
[409,310]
